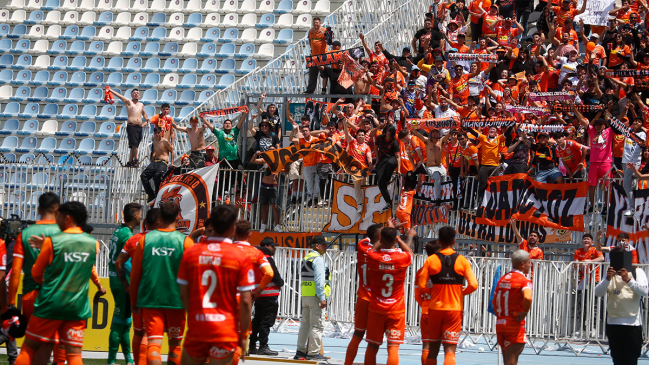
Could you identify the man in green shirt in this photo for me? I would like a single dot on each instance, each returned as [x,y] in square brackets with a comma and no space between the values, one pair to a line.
[227,139]
[121,325]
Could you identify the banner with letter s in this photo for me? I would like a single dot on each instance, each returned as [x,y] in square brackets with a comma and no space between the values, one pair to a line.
[285,239]
[345,217]
[468,227]
[518,196]
[617,222]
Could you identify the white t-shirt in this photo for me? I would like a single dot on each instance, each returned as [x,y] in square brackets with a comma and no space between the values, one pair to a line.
[439,113]
[566,68]
[633,152]
[476,84]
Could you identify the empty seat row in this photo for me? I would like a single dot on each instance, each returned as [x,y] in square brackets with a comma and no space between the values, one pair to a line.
[69,111]
[67,145]
[42,180]
[69,128]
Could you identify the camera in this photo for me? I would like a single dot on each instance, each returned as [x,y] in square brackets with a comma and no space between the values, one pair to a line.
[11,228]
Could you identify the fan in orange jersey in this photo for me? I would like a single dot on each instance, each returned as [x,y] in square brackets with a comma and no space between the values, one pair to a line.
[530,244]
[511,301]
[363,293]
[422,296]
[388,266]
[123,269]
[211,275]
[406,199]
[447,270]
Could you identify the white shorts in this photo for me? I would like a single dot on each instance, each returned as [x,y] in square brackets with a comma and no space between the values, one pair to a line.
[295,171]
[431,170]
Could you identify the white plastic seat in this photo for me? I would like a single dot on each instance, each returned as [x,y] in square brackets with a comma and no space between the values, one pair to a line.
[52,17]
[87,5]
[176,35]
[266,51]
[4,15]
[42,62]
[122,5]
[248,20]
[194,35]
[212,20]
[17,17]
[303,21]
[70,17]
[104,5]
[35,32]
[266,6]
[157,6]
[69,5]
[266,35]
[16,4]
[193,6]
[189,50]
[285,21]
[53,32]
[321,7]
[210,6]
[114,48]
[32,5]
[123,33]
[248,35]
[175,20]
[229,6]
[231,19]
[49,127]
[40,46]
[6,92]
[88,18]
[175,6]
[170,81]
[247,6]
[139,20]
[105,33]
[140,5]
[122,19]
[303,6]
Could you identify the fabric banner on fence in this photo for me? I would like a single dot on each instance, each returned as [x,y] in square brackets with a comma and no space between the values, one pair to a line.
[278,159]
[425,214]
[558,107]
[491,58]
[226,111]
[193,192]
[626,73]
[488,122]
[316,111]
[333,57]
[352,71]
[435,123]
[551,96]
[617,222]
[427,193]
[518,196]
[525,109]
[285,239]
[468,227]
[345,217]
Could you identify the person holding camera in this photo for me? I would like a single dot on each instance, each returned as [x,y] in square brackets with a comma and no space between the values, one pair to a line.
[625,290]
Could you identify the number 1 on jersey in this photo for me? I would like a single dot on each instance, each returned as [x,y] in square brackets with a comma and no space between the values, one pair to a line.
[499,309]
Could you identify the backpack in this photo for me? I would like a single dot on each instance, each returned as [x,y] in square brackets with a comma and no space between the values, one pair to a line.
[329,36]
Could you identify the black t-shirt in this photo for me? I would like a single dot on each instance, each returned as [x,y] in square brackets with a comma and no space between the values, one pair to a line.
[502,64]
[266,141]
[333,74]
[386,149]
[544,156]
[434,35]
[274,120]
[455,10]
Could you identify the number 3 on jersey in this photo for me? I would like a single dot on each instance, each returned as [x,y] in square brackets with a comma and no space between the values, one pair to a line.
[389,280]
[209,279]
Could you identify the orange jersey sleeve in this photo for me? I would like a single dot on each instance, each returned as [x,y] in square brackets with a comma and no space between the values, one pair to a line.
[422,295]
[16,268]
[266,276]
[129,246]
[43,260]
[136,271]
[404,210]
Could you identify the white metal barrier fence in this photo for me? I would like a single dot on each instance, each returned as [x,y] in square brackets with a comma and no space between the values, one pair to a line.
[564,313]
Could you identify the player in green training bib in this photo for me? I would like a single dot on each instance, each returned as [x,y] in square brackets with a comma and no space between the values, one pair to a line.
[121,325]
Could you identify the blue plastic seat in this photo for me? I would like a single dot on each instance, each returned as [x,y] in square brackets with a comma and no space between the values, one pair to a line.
[123,114]
[6,60]
[9,144]
[157,34]
[140,34]
[107,112]
[59,78]
[284,6]
[29,128]
[39,94]
[114,79]
[87,33]
[85,146]
[30,111]
[75,95]
[168,96]
[60,63]
[22,93]
[207,50]
[85,160]
[107,130]
[70,32]
[186,97]
[35,17]
[184,112]
[18,32]
[41,78]
[58,95]
[86,129]
[211,35]
[45,159]
[151,48]
[245,51]
[77,79]
[104,18]
[78,63]
[227,66]
[10,127]
[194,20]
[99,183]
[97,63]
[22,62]
[67,145]
[151,80]
[205,94]
[77,48]
[229,35]
[115,64]
[27,158]
[49,111]
[247,66]
[284,36]
[95,95]
[6,76]
[17,179]
[132,80]
[88,112]
[28,145]
[157,20]
[21,46]
[105,147]
[132,49]
[39,181]
[151,65]
[11,110]
[4,30]
[94,48]
[51,5]
[171,65]
[9,158]
[267,21]
[68,128]
[208,66]
[149,96]
[227,50]
[207,82]
[225,81]
[69,111]
[169,49]
[58,47]
[188,81]
[95,79]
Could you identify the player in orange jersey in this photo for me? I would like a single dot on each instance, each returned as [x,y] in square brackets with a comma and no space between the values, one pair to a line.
[123,268]
[387,266]
[406,199]
[211,275]
[363,293]
[512,301]
[447,270]
[422,296]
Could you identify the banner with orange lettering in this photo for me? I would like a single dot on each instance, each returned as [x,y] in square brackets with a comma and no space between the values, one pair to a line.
[518,196]
[285,239]
[617,222]
[345,216]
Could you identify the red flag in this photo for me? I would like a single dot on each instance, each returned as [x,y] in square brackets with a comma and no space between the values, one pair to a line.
[352,71]
[108,96]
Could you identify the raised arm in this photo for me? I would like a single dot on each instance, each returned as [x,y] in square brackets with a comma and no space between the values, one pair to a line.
[207,124]
[519,238]
[367,49]
[420,136]
[121,97]
[241,119]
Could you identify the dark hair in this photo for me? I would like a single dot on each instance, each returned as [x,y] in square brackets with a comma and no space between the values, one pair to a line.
[156,130]
[533,231]
[135,90]
[446,235]
[587,235]
[227,120]
[374,231]
[536,34]
[432,247]
[169,212]
[623,236]
[48,202]
[403,133]
[471,98]
[557,135]
[129,211]
[87,228]
[243,228]
[317,18]
[165,105]
[305,117]
[76,210]
[389,234]
[152,216]
[223,217]
[390,129]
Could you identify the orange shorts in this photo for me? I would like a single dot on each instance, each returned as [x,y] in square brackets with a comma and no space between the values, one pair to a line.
[138,322]
[27,303]
[199,351]
[444,326]
[159,320]
[55,330]
[360,314]
[505,339]
[393,325]
[423,328]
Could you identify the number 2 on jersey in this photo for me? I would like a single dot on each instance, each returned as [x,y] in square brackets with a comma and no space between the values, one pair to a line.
[208,278]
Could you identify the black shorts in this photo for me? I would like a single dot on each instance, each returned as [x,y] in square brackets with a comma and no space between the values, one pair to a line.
[267,195]
[134,133]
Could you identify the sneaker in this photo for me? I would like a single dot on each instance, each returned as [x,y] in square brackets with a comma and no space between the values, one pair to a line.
[322,203]
[317,357]
[315,202]
[263,228]
[278,228]
[324,91]
[267,351]
[252,350]
[299,356]
[629,212]
[308,92]
[294,200]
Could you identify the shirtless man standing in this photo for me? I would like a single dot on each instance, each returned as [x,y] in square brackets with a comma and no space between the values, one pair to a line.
[434,167]
[196,141]
[134,126]
[165,121]
[362,85]
[155,171]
